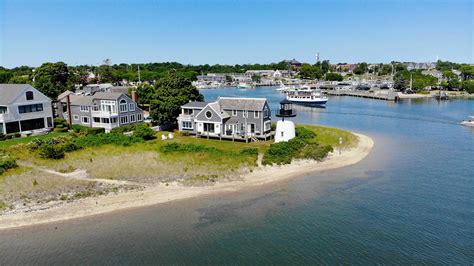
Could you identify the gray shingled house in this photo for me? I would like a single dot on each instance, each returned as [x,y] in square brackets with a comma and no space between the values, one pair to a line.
[24,108]
[228,118]
[102,109]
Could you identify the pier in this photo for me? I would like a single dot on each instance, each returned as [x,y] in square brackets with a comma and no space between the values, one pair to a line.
[379,95]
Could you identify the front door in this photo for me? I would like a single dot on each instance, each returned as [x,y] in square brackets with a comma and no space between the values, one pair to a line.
[229,130]
[251,128]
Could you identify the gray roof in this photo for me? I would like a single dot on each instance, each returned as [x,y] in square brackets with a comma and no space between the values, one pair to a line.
[199,105]
[64,94]
[217,108]
[251,104]
[8,92]
[119,89]
[88,99]
[107,95]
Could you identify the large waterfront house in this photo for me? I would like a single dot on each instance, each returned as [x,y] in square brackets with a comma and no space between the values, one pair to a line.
[102,109]
[228,118]
[23,108]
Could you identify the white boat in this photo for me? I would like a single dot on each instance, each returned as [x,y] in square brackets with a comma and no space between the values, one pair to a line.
[244,86]
[469,122]
[306,96]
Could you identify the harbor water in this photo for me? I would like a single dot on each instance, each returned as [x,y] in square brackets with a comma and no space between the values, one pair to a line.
[411,201]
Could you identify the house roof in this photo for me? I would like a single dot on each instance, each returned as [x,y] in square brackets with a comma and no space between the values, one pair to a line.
[195,105]
[88,99]
[8,92]
[217,108]
[107,95]
[251,104]
[64,94]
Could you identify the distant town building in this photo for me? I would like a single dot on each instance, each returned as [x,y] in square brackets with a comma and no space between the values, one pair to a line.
[416,66]
[24,108]
[293,63]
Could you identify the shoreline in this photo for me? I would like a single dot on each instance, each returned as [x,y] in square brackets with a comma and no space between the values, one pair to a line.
[162,193]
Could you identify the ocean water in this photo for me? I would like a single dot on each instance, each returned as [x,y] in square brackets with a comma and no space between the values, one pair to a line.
[411,201]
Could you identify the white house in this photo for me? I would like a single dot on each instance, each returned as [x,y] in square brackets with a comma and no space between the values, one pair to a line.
[23,108]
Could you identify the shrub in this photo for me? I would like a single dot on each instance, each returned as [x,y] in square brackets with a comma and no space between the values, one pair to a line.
[94,131]
[69,146]
[126,128]
[283,152]
[6,162]
[249,151]
[12,135]
[79,128]
[304,133]
[2,137]
[185,133]
[315,151]
[60,129]
[60,121]
[143,131]
[102,139]
[51,151]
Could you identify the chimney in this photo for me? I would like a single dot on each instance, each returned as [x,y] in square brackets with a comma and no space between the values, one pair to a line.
[134,95]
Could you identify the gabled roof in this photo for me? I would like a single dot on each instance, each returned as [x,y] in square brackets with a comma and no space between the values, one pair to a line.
[9,92]
[251,104]
[217,108]
[64,94]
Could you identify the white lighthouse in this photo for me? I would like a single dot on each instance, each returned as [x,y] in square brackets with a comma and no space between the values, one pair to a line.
[285,129]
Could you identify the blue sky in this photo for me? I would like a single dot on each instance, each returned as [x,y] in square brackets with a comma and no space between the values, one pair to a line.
[234,31]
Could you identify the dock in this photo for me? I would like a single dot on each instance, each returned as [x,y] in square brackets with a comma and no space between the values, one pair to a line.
[379,95]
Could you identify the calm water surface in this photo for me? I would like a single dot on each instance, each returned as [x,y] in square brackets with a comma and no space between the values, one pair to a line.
[410,201]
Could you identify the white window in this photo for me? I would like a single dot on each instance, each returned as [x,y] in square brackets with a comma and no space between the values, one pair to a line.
[256,114]
[234,112]
[246,113]
[108,106]
[76,117]
[187,125]
[106,120]
[85,120]
[187,111]
[3,110]
[124,119]
[208,114]
[123,106]
[132,118]
[139,117]
[113,120]
[96,119]
[84,108]
[131,107]
[268,125]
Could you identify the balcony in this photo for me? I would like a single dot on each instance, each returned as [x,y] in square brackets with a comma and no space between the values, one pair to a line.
[106,114]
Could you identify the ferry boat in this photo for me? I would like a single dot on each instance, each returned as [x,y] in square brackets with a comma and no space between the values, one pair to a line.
[469,122]
[307,97]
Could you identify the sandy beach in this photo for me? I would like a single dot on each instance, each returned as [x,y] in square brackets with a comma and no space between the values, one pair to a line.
[165,193]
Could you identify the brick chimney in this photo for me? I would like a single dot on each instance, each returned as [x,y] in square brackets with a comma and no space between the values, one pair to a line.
[134,95]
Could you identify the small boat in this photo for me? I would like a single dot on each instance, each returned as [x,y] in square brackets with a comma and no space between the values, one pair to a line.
[244,86]
[307,97]
[469,122]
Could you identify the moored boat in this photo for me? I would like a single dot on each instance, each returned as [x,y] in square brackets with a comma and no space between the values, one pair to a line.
[244,86]
[469,122]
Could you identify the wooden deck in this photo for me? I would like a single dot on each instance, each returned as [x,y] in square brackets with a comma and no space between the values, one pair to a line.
[380,95]
[239,137]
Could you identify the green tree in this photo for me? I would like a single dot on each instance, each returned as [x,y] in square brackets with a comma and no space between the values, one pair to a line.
[325,66]
[145,93]
[106,74]
[454,84]
[172,92]
[20,80]
[467,72]
[362,68]
[256,78]
[333,76]
[53,79]
[310,71]
[468,85]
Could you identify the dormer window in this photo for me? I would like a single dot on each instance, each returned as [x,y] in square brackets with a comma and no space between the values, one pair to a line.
[123,106]
[29,95]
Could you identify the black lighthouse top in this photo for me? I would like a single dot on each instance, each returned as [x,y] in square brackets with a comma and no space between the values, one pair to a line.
[286,109]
